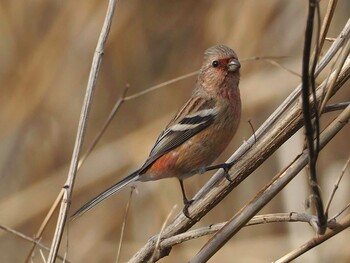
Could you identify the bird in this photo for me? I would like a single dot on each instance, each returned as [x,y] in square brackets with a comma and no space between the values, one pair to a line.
[198,133]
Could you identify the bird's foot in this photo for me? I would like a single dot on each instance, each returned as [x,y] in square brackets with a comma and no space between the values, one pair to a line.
[225,166]
[187,204]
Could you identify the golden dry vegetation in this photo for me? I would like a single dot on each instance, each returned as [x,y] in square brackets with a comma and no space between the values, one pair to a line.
[46,52]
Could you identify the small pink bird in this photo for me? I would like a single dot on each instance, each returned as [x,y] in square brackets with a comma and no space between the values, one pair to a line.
[198,133]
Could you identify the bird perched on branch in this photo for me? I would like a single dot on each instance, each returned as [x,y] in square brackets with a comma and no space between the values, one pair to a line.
[198,133]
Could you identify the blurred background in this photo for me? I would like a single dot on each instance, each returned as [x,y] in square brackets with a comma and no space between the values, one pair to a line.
[46,52]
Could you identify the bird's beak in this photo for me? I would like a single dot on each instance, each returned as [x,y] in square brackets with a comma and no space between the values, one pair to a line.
[233,65]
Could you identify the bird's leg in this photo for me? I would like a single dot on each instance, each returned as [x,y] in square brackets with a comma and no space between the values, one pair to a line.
[225,166]
[187,202]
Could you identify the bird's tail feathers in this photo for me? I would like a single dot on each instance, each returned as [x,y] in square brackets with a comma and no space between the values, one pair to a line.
[105,194]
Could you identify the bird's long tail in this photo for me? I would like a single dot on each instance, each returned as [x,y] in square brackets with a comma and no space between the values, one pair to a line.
[107,193]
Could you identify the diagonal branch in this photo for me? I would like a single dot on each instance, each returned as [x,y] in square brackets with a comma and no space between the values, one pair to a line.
[256,220]
[32,240]
[342,225]
[336,185]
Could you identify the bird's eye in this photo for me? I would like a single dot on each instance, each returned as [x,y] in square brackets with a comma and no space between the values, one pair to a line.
[215,63]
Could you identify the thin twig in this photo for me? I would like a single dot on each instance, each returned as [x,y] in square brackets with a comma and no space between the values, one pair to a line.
[256,220]
[327,21]
[342,225]
[126,213]
[32,240]
[161,85]
[324,29]
[264,58]
[44,224]
[272,61]
[336,106]
[69,185]
[162,229]
[42,255]
[336,185]
[340,212]
[107,122]
[343,56]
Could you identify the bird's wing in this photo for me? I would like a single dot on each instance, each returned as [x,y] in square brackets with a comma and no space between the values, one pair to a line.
[196,115]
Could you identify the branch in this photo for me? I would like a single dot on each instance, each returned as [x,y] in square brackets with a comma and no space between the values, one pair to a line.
[126,213]
[342,58]
[256,220]
[336,106]
[336,186]
[342,225]
[340,212]
[327,21]
[69,185]
[161,85]
[32,240]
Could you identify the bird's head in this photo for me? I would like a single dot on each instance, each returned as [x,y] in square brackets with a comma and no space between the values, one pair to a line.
[220,68]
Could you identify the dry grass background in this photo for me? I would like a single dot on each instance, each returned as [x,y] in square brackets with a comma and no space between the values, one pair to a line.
[46,51]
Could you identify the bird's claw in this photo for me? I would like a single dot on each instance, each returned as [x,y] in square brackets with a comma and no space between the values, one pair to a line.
[227,167]
[187,204]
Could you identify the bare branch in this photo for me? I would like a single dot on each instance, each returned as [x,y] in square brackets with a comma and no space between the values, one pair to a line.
[161,85]
[336,106]
[336,186]
[107,122]
[32,240]
[340,212]
[44,224]
[124,223]
[256,220]
[272,61]
[342,58]
[69,185]
[342,225]
[161,231]
[327,21]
